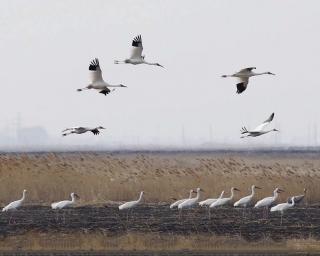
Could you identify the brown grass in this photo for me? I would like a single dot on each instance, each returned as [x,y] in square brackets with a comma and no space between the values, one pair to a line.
[98,178]
[148,242]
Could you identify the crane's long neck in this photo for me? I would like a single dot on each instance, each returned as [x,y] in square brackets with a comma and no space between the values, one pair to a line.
[232,193]
[23,196]
[73,198]
[140,197]
[275,194]
[292,202]
[190,195]
[198,195]
[115,85]
[259,74]
[221,195]
[252,191]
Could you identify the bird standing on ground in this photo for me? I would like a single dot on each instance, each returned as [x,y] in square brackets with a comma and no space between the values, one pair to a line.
[245,201]
[96,80]
[80,130]
[176,203]
[268,201]
[243,75]
[15,204]
[224,201]
[65,203]
[132,204]
[259,130]
[283,207]
[190,202]
[136,56]
[209,201]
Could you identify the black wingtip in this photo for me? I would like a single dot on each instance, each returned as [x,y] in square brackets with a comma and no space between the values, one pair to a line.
[94,64]
[136,41]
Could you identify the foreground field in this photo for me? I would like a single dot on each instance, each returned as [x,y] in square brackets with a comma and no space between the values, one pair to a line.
[103,180]
[104,177]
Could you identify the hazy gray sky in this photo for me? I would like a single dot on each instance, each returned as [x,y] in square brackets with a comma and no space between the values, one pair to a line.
[46,46]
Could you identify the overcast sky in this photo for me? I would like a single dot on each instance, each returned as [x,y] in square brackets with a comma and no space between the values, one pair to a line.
[46,46]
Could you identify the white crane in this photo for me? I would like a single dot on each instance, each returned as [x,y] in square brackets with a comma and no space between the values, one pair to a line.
[224,201]
[245,201]
[131,204]
[65,203]
[298,199]
[209,201]
[259,130]
[268,201]
[80,130]
[283,207]
[15,204]
[243,75]
[176,203]
[96,80]
[190,202]
[136,56]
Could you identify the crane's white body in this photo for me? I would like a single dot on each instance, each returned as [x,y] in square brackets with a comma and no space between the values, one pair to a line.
[209,201]
[245,201]
[96,79]
[176,203]
[136,56]
[81,130]
[243,76]
[190,202]
[268,201]
[65,203]
[259,130]
[131,204]
[224,201]
[282,207]
[15,204]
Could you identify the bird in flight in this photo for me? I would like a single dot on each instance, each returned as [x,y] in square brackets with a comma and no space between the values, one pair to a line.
[243,76]
[80,130]
[96,79]
[136,56]
[259,130]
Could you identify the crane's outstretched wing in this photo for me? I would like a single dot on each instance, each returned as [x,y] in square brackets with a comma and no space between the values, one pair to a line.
[136,50]
[70,129]
[245,70]
[264,124]
[242,84]
[95,71]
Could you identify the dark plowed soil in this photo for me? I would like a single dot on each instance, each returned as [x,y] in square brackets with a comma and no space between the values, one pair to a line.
[249,224]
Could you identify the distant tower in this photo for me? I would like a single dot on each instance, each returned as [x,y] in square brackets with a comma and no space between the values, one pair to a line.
[18,125]
[210,134]
[315,134]
[183,136]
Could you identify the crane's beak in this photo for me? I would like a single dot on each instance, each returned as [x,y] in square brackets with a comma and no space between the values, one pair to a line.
[77,196]
[258,187]
[280,190]
[236,189]
[202,190]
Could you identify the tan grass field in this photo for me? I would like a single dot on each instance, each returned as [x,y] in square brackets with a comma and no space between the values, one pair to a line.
[103,177]
[150,242]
